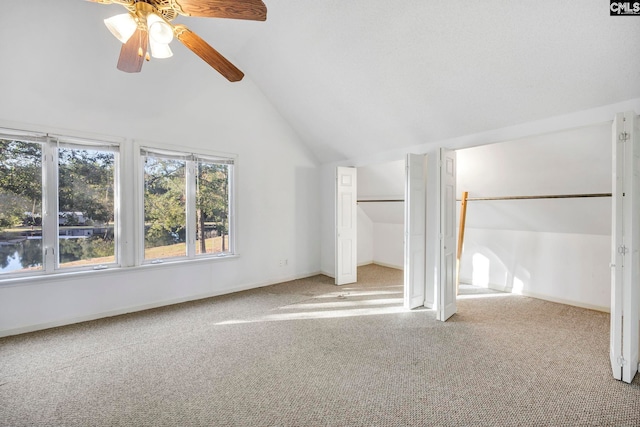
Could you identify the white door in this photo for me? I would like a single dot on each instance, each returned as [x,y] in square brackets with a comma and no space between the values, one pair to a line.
[414,231]
[617,259]
[625,235]
[346,226]
[447,270]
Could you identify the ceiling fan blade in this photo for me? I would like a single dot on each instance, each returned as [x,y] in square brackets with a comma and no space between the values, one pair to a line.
[207,53]
[254,10]
[133,52]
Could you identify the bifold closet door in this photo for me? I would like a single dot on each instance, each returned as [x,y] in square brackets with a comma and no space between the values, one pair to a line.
[625,246]
[414,231]
[346,226]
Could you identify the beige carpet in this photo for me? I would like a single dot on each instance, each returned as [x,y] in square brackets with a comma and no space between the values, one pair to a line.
[308,353]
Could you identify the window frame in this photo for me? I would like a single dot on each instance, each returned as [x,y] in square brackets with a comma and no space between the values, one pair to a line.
[231,162]
[191,157]
[87,144]
[128,203]
[40,138]
[50,145]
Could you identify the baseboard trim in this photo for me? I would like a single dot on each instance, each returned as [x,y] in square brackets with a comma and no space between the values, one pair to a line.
[567,302]
[328,274]
[364,264]
[149,306]
[501,288]
[383,264]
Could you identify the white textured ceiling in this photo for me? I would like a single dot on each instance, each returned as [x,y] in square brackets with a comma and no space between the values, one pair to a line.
[352,77]
[371,75]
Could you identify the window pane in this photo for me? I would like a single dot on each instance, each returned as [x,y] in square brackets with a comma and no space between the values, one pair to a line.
[164,208]
[86,207]
[212,208]
[20,206]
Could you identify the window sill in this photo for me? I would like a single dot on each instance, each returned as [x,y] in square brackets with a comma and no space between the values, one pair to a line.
[36,279]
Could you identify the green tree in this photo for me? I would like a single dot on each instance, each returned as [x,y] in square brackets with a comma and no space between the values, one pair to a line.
[165,200]
[13,208]
[212,200]
[20,180]
[85,184]
[165,216]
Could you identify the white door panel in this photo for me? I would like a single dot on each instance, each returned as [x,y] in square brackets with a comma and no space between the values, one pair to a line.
[631,213]
[346,226]
[625,260]
[617,259]
[447,279]
[414,259]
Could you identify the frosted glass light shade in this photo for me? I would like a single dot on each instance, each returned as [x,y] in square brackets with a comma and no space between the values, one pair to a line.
[160,50]
[159,30]
[122,26]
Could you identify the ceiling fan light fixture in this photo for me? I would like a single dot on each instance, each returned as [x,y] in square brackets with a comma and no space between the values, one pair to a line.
[159,30]
[122,26]
[160,50]
[148,30]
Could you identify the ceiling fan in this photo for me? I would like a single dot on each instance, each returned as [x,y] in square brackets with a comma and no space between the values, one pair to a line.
[147,24]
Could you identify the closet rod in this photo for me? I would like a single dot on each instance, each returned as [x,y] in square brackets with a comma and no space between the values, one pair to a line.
[381,200]
[549,196]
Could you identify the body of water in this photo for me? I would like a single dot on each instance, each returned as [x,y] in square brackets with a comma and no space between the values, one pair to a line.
[26,253]
[20,255]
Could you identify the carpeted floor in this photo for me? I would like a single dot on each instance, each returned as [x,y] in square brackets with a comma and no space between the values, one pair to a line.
[308,353]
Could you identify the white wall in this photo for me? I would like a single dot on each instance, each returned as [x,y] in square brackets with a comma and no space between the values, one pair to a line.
[328,220]
[561,267]
[388,244]
[278,209]
[556,249]
[382,181]
[382,236]
[365,238]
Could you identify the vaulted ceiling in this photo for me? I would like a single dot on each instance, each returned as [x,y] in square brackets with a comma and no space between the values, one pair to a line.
[350,77]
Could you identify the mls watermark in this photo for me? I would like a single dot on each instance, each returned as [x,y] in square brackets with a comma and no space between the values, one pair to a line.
[619,8]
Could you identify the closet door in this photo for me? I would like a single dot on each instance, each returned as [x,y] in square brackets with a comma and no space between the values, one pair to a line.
[346,226]
[414,231]
[625,247]
[447,271]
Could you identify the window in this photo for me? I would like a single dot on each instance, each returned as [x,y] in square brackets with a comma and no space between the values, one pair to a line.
[186,205]
[56,214]
[86,214]
[20,206]
[165,209]
[60,205]
[212,207]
